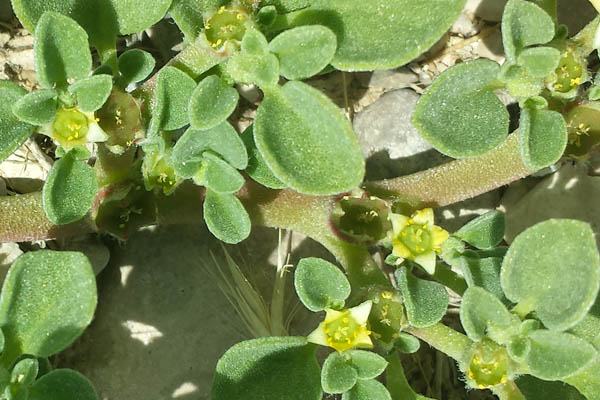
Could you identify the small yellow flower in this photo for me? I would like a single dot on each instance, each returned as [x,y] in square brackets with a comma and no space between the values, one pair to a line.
[417,238]
[344,330]
[72,127]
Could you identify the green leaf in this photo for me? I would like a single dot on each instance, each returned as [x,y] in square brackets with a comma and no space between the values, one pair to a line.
[524,24]
[369,365]
[222,139]
[37,107]
[271,368]
[377,34]
[459,114]
[92,92]
[307,142]
[257,167]
[425,301]
[589,327]
[13,132]
[188,14]
[557,256]
[217,175]
[173,91]
[320,284]
[539,61]
[367,390]
[61,51]
[285,6]
[135,65]
[337,375]
[212,102]
[557,355]
[47,300]
[304,51]
[25,371]
[536,389]
[542,137]
[63,384]
[69,190]
[396,381]
[485,231]
[102,19]
[226,217]
[407,343]
[484,273]
[254,64]
[481,312]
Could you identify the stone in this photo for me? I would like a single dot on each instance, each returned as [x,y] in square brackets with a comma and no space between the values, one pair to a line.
[392,145]
[163,322]
[489,10]
[8,254]
[464,26]
[387,79]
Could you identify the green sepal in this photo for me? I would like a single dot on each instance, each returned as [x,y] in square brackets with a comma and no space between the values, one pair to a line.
[92,92]
[25,371]
[557,256]
[135,65]
[557,355]
[257,167]
[304,51]
[226,217]
[462,98]
[212,102]
[542,137]
[61,51]
[367,390]
[425,301]
[173,91]
[320,284]
[217,175]
[485,231]
[272,368]
[14,131]
[307,142]
[222,139]
[524,24]
[539,61]
[47,300]
[483,313]
[63,384]
[37,107]
[69,190]
[337,374]
[369,365]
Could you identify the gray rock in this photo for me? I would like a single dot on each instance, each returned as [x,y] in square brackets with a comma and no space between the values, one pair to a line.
[463,26]
[391,144]
[387,79]
[489,10]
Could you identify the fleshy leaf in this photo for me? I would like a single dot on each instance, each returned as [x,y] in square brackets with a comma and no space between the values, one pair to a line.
[188,14]
[61,50]
[304,51]
[481,312]
[425,301]
[212,102]
[47,300]
[320,284]
[367,390]
[226,217]
[524,24]
[374,34]
[254,64]
[172,94]
[257,167]
[557,355]
[539,61]
[70,189]
[307,142]
[485,231]
[37,107]
[217,175]
[25,371]
[536,389]
[369,365]
[63,384]
[557,256]
[135,65]
[14,132]
[337,375]
[484,273]
[542,137]
[222,139]
[286,6]
[272,368]
[459,114]
[407,343]
[92,92]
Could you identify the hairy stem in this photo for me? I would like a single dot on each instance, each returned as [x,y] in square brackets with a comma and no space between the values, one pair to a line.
[446,340]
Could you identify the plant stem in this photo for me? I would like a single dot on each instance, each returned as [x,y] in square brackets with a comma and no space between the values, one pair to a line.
[446,340]
[457,180]
[508,391]
[450,279]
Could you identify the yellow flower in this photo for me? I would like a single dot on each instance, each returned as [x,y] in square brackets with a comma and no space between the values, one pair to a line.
[417,238]
[344,330]
[72,127]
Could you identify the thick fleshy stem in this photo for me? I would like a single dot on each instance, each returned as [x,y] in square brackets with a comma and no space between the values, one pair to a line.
[446,340]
